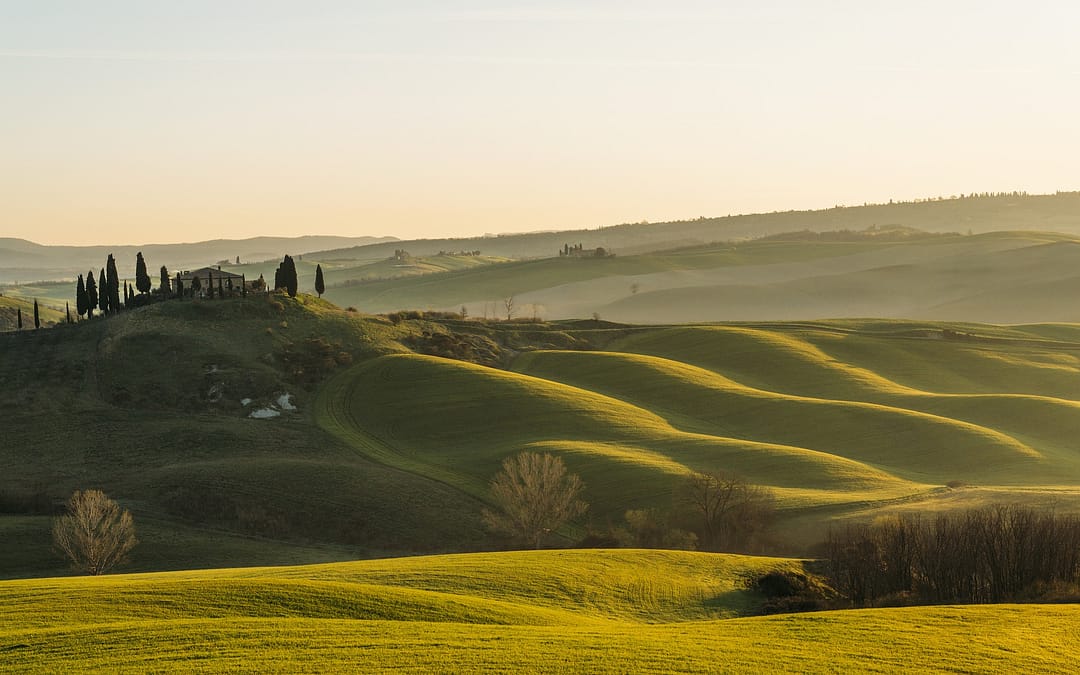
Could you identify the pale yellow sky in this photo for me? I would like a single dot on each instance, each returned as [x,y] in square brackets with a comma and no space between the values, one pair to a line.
[134,122]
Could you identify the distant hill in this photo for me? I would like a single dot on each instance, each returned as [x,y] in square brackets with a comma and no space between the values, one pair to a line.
[1052,213]
[1001,277]
[25,261]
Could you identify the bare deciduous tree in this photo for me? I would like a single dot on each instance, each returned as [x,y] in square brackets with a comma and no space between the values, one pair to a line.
[95,534]
[535,496]
[730,514]
[508,305]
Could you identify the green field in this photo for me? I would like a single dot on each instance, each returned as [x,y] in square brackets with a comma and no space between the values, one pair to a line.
[600,611]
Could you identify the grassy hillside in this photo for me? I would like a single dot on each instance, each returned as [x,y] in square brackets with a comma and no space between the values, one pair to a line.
[149,406]
[601,611]
[391,445]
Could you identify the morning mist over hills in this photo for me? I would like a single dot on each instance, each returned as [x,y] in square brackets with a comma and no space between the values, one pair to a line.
[1002,258]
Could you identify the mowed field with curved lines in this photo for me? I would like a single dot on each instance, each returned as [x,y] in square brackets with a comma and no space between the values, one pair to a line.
[836,418]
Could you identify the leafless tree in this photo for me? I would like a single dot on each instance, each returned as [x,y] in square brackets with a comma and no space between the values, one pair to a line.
[730,514]
[508,305]
[95,534]
[535,496]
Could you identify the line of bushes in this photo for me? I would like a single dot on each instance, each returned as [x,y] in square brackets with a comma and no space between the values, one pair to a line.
[993,554]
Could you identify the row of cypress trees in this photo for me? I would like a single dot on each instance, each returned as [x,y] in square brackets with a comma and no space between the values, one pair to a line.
[37,317]
[104,294]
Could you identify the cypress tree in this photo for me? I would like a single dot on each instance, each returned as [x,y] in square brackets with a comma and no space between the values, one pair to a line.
[114,284]
[142,279]
[320,285]
[220,290]
[165,289]
[278,283]
[37,317]
[103,293]
[18,317]
[196,285]
[289,276]
[91,295]
[67,311]
[243,286]
[179,287]
[210,287]
[80,297]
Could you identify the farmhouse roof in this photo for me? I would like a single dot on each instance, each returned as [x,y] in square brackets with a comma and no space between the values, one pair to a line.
[204,272]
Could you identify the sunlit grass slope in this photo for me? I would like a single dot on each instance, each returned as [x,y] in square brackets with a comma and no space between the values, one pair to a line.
[457,421]
[596,611]
[848,415]
[1012,380]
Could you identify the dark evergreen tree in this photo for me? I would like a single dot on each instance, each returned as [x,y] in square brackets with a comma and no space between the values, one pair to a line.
[91,295]
[278,278]
[80,297]
[243,286]
[103,293]
[37,317]
[179,288]
[220,290]
[210,287]
[196,285]
[18,318]
[142,279]
[320,285]
[288,274]
[67,311]
[114,283]
[165,288]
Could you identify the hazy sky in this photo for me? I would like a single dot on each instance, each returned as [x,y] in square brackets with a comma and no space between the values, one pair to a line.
[150,121]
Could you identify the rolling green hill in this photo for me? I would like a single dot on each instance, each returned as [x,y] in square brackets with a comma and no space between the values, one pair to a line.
[390,446]
[601,611]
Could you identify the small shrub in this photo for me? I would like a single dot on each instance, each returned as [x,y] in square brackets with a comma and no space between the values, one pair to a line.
[788,591]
